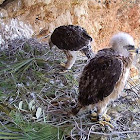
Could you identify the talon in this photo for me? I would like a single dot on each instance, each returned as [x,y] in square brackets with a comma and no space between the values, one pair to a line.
[103,123]
[106,117]
[94,117]
[103,120]
[94,114]
[64,68]
[62,64]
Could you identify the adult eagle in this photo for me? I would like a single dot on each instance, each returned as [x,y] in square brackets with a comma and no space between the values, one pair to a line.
[104,77]
[70,39]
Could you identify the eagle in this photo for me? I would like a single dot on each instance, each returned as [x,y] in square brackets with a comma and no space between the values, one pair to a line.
[70,39]
[105,76]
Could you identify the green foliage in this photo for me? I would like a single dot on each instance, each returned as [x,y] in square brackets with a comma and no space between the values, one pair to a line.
[20,129]
[21,66]
[34,95]
[22,72]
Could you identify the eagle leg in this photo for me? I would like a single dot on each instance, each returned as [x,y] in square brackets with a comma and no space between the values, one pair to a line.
[102,117]
[106,117]
[71,57]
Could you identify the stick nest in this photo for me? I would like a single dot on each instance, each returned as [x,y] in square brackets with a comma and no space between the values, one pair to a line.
[32,84]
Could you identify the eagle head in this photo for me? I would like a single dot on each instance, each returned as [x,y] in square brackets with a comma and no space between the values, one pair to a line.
[123,43]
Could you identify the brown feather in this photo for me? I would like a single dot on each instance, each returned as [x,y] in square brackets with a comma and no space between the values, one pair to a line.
[99,78]
[70,37]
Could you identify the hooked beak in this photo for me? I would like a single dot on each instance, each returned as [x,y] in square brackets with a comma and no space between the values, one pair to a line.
[135,50]
[132,49]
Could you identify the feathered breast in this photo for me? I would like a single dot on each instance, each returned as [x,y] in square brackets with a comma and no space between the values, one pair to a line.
[99,78]
[70,37]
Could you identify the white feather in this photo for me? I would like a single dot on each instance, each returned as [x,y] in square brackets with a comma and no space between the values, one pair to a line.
[118,41]
[126,75]
[121,39]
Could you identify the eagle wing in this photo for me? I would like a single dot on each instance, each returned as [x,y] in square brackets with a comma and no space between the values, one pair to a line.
[70,37]
[99,78]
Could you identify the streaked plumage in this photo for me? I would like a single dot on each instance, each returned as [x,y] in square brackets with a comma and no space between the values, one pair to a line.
[104,77]
[70,39]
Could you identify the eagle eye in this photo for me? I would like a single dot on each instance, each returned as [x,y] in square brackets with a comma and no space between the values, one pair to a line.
[130,47]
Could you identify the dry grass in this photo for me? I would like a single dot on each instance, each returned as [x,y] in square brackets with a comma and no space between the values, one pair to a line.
[32,85]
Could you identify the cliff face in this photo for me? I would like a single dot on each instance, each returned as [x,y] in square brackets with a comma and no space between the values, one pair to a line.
[25,18]
[100,19]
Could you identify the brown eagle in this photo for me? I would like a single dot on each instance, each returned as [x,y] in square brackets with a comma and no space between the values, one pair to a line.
[104,77]
[70,39]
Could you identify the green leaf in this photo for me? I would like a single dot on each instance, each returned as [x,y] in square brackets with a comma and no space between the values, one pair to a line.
[15,67]
[8,134]
[10,138]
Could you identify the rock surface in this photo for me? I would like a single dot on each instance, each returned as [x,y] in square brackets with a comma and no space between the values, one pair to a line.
[100,18]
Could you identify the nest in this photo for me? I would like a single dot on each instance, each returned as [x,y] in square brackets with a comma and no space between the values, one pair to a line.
[43,94]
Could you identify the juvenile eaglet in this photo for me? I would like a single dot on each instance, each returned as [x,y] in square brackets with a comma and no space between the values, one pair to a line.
[105,76]
[71,39]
